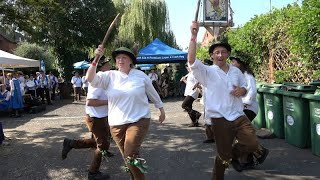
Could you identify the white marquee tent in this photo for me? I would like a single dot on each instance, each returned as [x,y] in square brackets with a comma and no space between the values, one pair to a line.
[8,60]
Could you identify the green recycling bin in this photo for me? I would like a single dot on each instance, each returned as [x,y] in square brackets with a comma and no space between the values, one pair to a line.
[296,114]
[314,108]
[259,121]
[273,109]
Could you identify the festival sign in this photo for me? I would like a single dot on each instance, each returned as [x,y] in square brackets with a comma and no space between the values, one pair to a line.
[215,11]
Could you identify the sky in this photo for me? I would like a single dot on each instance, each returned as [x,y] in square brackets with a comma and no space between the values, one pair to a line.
[182,13]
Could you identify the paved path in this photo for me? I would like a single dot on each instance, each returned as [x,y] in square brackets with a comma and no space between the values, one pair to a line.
[173,151]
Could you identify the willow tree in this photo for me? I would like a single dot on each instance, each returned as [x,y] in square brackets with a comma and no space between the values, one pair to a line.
[144,20]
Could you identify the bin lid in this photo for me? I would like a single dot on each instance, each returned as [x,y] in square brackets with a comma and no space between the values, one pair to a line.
[289,86]
[259,84]
[271,86]
[315,83]
[311,97]
[297,94]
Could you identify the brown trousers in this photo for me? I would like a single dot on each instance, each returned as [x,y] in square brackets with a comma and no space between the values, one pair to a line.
[225,133]
[129,138]
[101,140]
[209,132]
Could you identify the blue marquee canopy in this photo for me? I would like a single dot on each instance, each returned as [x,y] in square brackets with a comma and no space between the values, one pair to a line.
[158,52]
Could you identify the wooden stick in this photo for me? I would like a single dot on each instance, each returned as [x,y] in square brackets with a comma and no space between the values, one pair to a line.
[110,29]
[106,36]
[197,13]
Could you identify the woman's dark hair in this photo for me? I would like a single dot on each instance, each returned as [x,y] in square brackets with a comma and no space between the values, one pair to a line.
[244,67]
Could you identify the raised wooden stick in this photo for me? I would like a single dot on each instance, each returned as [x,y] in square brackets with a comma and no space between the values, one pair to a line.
[106,36]
[197,13]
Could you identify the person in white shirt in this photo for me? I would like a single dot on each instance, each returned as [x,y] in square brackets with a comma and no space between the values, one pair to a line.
[191,94]
[225,85]
[97,123]
[128,91]
[152,75]
[207,120]
[85,85]
[251,107]
[54,85]
[43,87]
[76,83]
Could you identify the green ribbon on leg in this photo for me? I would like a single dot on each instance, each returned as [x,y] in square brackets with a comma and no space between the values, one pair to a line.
[140,163]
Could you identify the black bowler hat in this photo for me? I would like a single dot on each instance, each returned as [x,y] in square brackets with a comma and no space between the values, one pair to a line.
[219,44]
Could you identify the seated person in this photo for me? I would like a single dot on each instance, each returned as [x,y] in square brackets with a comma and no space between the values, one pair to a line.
[4,97]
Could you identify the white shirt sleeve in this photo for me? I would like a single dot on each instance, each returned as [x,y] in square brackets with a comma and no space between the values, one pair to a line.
[199,71]
[101,79]
[252,90]
[152,94]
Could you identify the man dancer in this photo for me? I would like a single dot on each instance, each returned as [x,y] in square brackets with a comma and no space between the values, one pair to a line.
[225,85]
[97,123]
[191,94]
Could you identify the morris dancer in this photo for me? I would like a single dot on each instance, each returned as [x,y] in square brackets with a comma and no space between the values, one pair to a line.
[225,85]
[191,94]
[97,123]
[251,108]
[128,91]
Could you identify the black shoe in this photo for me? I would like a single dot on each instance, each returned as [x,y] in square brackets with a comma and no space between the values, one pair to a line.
[242,166]
[194,124]
[236,165]
[209,141]
[198,115]
[97,175]
[109,154]
[263,156]
[67,146]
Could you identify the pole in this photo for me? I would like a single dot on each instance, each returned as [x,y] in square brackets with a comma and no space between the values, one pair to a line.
[4,77]
[197,13]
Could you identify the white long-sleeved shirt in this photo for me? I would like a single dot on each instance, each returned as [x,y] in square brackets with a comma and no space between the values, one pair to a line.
[84,82]
[219,102]
[153,76]
[97,111]
[251,97]
[191,82]
[127,95]
[76,81]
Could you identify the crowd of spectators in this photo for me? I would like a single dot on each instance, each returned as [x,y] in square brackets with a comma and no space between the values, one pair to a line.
[19,90]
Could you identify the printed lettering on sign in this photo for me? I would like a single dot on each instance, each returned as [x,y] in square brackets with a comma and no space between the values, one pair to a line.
[270,115]
[269,102]
[317,112]
[290,106]
[290,120]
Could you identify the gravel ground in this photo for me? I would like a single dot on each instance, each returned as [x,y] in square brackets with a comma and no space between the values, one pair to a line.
[173,151]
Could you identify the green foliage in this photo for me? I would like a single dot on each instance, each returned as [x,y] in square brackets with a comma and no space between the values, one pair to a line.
[292,29]
[143,21]
[70,27]
[202,53]
[306,31]
[34,51]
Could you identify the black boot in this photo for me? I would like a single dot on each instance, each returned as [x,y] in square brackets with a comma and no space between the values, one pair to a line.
[97,175]
[67,146]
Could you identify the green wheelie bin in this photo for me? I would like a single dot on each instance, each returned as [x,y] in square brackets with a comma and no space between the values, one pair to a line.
[296,114]
[314,108]
[259,121]
[273,109]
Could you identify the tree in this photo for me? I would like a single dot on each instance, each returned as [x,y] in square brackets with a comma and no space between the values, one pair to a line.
[143,21]
[70,27]
[34,51]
